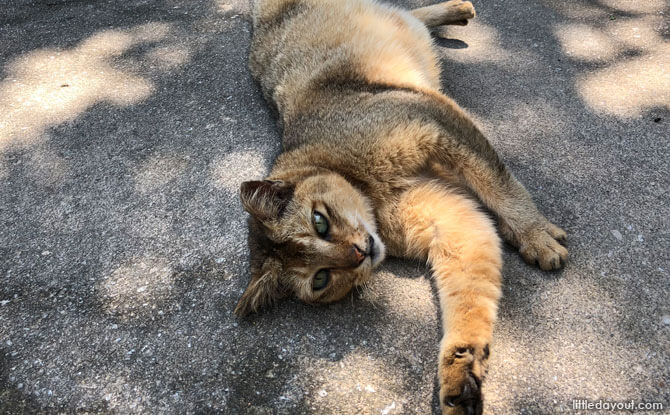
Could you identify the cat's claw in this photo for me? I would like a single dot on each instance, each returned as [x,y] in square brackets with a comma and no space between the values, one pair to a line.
[461,372]
[469,401]
[543,246]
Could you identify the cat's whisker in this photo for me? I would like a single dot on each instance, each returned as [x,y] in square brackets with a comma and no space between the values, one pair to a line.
[367,293]
[359,292]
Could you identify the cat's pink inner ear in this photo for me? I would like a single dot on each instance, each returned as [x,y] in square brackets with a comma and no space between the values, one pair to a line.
[266,199]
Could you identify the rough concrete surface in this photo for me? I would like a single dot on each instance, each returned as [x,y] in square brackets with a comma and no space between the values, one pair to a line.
[126,128]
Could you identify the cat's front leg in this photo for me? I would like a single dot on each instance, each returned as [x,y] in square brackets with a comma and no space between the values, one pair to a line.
[462,368]
[468,281]
[463,249]
[462,155]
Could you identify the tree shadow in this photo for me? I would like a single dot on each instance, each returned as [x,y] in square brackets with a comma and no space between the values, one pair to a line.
[12,399]
[155,183]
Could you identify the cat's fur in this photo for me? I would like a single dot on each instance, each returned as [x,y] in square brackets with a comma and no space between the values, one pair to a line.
[373,145]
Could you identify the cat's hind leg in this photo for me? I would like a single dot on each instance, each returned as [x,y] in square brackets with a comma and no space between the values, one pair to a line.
[454,12]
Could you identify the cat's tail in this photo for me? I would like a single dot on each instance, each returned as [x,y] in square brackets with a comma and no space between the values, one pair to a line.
[454,12]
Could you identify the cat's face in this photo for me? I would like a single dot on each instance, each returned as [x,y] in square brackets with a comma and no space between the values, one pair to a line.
[315,239]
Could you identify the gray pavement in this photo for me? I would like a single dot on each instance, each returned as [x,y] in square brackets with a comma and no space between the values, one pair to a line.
[126,128]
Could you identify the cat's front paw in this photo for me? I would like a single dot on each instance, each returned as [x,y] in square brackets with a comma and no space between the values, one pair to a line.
[543,245]
[461,371]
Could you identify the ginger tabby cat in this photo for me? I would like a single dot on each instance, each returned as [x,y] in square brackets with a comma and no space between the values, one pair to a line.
[377,160]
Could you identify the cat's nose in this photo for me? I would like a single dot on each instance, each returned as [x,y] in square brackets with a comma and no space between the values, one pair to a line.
[359,254]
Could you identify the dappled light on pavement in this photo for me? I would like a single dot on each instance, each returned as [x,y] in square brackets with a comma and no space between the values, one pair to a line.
[635,6]
[228,172]
[567,352]
[400,299]
[47,87]
[587,43]
[483,44]
[158,171]
[636,75]
[589,9]
[123,242]
[358,380]
[628,88]
[137,288]
[168,57]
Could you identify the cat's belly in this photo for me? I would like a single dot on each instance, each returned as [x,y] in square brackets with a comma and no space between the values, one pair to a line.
[394,48]
[371,41]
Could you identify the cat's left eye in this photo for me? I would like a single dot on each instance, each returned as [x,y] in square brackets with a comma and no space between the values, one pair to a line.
[320,224]
[320,280]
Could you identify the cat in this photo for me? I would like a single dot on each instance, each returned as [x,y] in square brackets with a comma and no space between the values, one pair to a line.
[378,161]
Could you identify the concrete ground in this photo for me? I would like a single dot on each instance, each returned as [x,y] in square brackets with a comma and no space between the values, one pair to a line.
[127,127]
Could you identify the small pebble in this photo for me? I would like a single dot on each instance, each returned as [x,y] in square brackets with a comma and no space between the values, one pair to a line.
[666,320]
[617,234]
[388,409]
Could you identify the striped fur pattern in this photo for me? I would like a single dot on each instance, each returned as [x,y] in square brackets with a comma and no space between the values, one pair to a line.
[378,156]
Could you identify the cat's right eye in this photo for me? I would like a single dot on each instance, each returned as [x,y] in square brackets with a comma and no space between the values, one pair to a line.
[320,224]
[320,280]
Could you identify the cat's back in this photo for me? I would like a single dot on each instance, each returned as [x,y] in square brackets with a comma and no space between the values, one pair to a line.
[300,45]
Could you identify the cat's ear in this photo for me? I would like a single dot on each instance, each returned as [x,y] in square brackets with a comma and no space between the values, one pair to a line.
[266,200]
[263,289]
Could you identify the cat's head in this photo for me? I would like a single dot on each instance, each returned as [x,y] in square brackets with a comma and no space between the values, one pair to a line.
[315,239]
